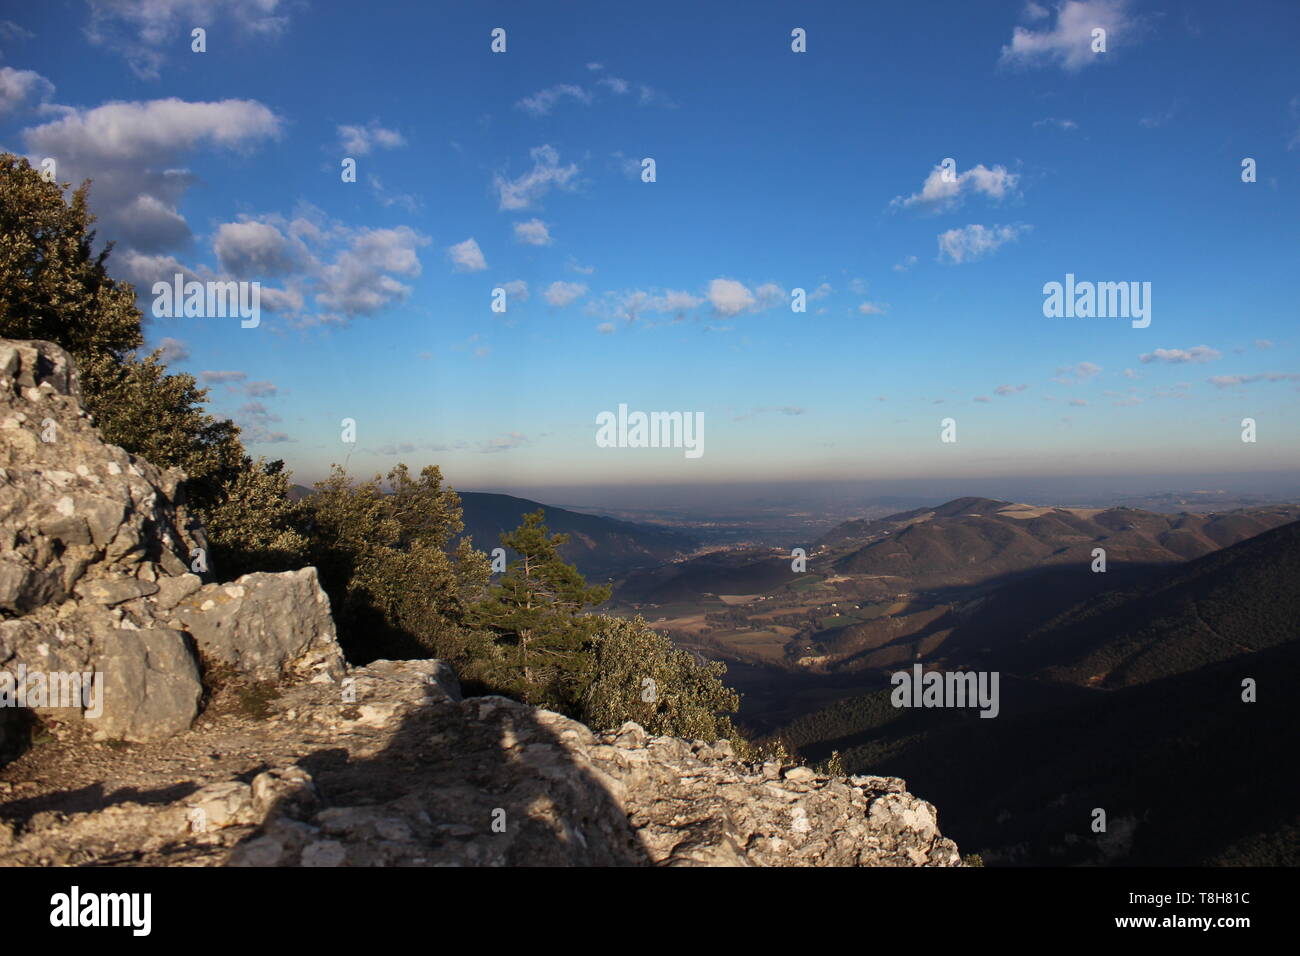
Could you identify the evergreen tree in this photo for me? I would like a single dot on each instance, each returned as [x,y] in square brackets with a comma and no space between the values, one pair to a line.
[538,610]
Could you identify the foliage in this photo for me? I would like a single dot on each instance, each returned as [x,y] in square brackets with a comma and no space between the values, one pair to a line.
[640,676]
[537,610]
[384,559]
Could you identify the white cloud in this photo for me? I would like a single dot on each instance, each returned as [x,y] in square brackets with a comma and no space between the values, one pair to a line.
[871,308]
[730,297]
[140,30]
[522,192]
[133,152]
[358,282]
[821,292]
[21,87]
[1068,41]
[939,193]
[560,294]
[614,84]
[360,140]
[516,289]
[467,256]
[533,232]
[1009,389]
[975,241]
[1199,353]
[905,264]
[543,101]
[251,249]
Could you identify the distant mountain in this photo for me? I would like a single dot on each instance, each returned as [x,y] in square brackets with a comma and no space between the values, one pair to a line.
[969,540]
[599,547]
[1132,702]
[1239,600]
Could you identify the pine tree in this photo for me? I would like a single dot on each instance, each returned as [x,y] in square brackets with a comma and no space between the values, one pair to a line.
[538,610]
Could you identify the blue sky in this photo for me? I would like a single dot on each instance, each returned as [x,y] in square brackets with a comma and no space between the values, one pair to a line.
[775,170]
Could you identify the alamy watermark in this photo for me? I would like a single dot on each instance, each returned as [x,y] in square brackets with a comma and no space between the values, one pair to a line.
[1102,300]
[208,300]
[651,430]
[953,689]
[24,688]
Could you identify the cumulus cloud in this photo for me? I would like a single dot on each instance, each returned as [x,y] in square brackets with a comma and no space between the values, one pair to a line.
[1009,389]
[250,249]
[729,297]
[523,191]
[133,152]
[940,193]
[330,273]
[975,241]
[141,30]
[360,140]
[533,233]
[19,88]
[467,256]
[560,294]
[360,281]
[1067,41]
[871,308]
[1199,353]
[516,290]
[905,264]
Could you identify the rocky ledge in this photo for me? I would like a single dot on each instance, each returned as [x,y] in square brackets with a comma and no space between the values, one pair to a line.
[229,730]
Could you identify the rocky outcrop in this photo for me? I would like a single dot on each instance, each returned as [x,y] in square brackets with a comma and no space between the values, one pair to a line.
[392,768]
[323,765]
[96,550]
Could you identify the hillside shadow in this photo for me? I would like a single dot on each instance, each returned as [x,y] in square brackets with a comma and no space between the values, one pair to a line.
[483,782]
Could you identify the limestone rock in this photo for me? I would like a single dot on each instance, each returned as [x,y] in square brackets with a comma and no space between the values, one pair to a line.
[265,626]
